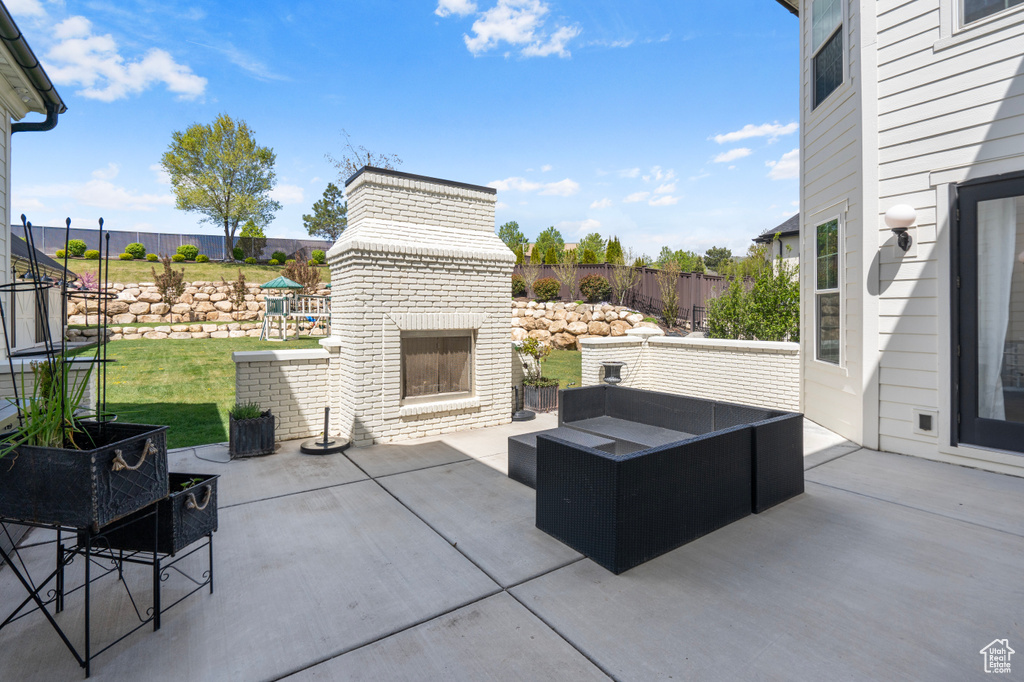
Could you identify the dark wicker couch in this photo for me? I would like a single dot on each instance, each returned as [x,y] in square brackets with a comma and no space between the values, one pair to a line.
[683,467]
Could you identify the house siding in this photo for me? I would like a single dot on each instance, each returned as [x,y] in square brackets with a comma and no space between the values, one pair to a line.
[950,104]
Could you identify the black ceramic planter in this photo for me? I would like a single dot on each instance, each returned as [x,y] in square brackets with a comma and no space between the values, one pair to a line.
[183,517]
[251,437]
[540,398]
[124,471]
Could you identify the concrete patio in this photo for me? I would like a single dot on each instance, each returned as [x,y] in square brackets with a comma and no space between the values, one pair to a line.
[421,561]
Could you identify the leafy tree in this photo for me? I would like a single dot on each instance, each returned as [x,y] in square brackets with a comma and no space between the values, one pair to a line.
[642,261]
[767,310]
[512,235]
[547,239]
[252,240]
[353,158]
[714,256]
[668,278]
[751,265]
[330,215]
[687,261]
[613,254]
[595,243]
[219,171]
[551,255]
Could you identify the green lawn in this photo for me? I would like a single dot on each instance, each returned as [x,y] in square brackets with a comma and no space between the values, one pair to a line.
[142,271]
[188,385]
[564,365]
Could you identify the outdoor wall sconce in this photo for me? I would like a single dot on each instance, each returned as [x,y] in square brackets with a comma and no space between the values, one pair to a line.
[899,218]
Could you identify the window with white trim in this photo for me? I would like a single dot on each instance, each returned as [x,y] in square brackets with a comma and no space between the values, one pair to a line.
[827,305]
[827,54]
[973,10]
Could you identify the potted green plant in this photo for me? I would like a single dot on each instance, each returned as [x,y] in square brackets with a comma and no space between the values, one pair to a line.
[540,393]
[65,468]
[251,431]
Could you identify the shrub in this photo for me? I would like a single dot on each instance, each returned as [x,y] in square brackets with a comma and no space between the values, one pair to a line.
[126,256]
[76,247]
[769,310]
[136,250]
[311,263]
[306,275]
[152,257]
[250,261]
[246,411]
[319,257]
[189,251]
[202,258]
[273,261]
[595,288]
[178,258]
[238,253]
[546,288]
[239,290]
[60,253]
[92,254]
[170,283]
[518,285]
[288,261]
[280,256]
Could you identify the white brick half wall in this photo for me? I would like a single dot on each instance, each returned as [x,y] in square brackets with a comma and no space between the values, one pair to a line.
[759,373]
[292,384]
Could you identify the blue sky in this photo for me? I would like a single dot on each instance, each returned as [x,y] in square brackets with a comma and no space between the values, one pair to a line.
[665,123]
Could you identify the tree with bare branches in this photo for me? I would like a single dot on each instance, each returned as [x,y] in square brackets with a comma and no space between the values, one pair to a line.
[668,278]
[624,276]
[531,271]
[353,158]
[567,273]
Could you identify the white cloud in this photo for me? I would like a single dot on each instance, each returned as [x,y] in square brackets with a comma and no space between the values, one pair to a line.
[108,173]
[98,192]
[245,61]
[703,174]
[635,197]
[732,155]
[578,227]
[26,205]
[658,175]
[457,7]
[786,168]
[500,205]
[25,8]
[562,188]
[664,201]
[520,23]
[667,188]
[161,175]
[602,203]
[288,194]
[545,168]
[629,173]
[94,63]
[770,130]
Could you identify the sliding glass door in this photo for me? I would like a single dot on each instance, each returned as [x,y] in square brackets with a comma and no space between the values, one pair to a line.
[990,308]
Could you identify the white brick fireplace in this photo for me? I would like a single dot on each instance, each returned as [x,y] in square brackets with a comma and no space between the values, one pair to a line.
[419,296]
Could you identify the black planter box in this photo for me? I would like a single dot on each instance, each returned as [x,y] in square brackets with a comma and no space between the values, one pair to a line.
[183,517]
[251,437]
[81,488]
[540,398]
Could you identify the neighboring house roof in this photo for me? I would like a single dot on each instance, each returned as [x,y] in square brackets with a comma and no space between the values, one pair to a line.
[792,5]
[568,247]
[19,253]
[789,228]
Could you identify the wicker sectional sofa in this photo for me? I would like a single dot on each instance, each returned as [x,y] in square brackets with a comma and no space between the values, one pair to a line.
[682,467]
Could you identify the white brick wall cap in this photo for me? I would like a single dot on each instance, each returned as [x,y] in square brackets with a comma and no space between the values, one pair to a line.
[331,343]
[726,344]
[419,185]
[280,355]
[605,341]
[439,406]
[645,332]
[372,235]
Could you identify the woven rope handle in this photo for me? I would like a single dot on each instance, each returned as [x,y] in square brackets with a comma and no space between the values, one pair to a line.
[192,504]
[120,465]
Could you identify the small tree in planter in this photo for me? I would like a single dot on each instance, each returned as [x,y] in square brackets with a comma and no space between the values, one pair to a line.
[540,393]
[251,431]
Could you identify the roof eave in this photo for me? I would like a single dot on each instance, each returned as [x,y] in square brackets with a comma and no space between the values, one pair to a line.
[792,5]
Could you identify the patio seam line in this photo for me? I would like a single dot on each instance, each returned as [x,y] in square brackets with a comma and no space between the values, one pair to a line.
[468,458]
[297,492]
[480,568]
[925,511]
[827,461]
[399,631]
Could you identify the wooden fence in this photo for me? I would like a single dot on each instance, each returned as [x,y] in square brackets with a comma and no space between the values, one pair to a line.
[694,291]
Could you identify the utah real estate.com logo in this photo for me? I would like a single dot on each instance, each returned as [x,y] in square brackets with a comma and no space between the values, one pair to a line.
[997,656]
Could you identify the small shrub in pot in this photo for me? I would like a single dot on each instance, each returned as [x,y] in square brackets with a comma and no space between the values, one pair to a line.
[251,431]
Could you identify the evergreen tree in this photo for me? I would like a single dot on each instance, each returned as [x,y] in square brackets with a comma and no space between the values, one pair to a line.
[613,254]
[330,215]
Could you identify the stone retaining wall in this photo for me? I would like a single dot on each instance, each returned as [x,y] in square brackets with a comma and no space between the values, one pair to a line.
[564,325]
[762,373]
[201,302]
